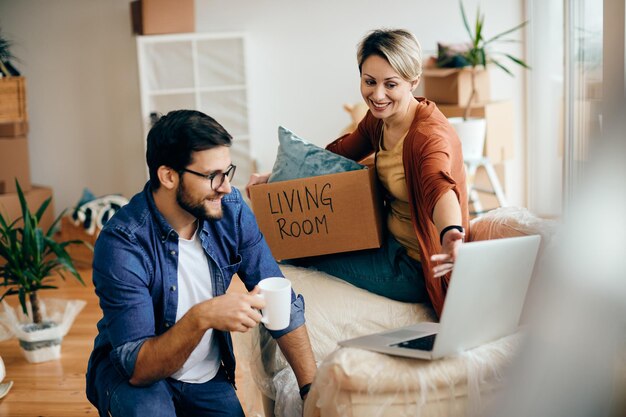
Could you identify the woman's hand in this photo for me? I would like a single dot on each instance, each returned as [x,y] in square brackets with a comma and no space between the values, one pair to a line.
[449,248]
[256,179]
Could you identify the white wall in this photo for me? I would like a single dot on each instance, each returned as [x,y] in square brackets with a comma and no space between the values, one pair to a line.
[83,100]
[80,60]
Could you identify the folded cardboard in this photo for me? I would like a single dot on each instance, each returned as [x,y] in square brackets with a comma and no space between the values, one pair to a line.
[151,17]
[13,129]
[319,215]
[11,209]
[14,164]
[499,139]
[454,85]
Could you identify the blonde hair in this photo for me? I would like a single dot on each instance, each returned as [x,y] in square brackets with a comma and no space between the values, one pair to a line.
[398,46]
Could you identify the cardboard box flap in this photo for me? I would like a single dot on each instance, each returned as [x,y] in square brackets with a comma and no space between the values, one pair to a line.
[444,72]
[440,72]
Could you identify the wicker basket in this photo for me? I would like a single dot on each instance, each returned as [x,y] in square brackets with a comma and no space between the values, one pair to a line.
[13,99]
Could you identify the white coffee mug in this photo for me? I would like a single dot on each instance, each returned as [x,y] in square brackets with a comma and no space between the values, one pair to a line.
[277,295]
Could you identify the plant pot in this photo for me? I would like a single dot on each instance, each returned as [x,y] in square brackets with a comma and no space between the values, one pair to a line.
[42,341]
[472,135]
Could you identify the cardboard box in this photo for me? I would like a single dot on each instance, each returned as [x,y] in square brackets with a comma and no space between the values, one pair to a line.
[151,17]
[13,129]
[13,99]
[80,254]
[500,136]
[14,164]
[454,85]
[10,205]
[320,215]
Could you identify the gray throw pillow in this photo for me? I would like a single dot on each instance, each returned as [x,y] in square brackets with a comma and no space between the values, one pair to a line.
[298,158]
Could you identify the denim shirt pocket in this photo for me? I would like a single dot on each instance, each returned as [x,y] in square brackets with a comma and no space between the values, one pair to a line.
[229,270]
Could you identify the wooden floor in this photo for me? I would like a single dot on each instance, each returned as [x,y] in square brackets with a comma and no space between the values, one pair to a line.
[57,388]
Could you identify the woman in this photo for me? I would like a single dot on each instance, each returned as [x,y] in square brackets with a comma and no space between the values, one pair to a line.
[419,163]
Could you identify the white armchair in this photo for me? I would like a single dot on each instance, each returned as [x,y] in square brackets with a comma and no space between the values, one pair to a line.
[353,382]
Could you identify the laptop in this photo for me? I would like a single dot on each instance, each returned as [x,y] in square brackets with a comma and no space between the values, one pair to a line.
[484,302]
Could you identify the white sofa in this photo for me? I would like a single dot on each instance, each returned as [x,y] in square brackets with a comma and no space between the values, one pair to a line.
[353,382]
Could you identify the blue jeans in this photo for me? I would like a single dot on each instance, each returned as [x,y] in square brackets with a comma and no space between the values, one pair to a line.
[172,398]
[386,271]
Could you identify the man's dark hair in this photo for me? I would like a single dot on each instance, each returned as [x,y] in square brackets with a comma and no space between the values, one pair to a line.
[175,136]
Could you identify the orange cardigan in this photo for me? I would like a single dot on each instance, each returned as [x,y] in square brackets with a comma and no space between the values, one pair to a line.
[433,164]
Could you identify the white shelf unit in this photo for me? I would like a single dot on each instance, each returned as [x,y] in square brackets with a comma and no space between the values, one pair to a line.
[199,71]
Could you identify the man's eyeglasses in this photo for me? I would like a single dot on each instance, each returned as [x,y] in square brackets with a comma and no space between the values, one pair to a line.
[217,178]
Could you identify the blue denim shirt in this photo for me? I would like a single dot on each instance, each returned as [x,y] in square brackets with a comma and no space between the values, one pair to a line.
[135,272]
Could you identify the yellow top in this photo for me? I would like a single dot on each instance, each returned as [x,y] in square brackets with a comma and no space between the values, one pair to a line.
[391,174]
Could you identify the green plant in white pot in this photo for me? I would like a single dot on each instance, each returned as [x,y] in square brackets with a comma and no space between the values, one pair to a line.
[477,56]
[29,259]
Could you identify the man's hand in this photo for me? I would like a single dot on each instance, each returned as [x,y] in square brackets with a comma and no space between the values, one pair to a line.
[256,179]
[161,356]
[233,312]
[449,248]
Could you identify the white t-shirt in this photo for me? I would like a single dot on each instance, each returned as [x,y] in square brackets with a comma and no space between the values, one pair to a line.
[194,286]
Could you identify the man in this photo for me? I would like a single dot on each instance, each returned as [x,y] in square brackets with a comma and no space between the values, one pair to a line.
[161,268]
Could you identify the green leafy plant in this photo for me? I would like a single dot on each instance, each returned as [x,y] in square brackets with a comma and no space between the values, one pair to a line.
[5,55]
[32,257]
[479,52]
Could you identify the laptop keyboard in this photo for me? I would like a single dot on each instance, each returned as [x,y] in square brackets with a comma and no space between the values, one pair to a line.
[421,343]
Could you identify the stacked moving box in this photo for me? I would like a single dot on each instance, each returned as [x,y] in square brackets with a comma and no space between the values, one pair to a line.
[152,17]
[450,88]
[14,158]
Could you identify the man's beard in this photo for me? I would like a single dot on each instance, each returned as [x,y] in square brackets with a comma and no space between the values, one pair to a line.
[195,208]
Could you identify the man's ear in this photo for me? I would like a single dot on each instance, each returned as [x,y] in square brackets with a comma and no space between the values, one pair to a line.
[168,177]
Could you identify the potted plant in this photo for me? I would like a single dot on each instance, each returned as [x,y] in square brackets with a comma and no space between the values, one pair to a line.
[5,56]
[477,55]
[30,258]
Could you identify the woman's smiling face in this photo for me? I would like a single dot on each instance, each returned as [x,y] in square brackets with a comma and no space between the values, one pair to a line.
[383,89]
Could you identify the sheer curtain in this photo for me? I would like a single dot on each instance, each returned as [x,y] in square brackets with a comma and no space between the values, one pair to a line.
[584,31]
[595,85]
[545,107]
[567,50]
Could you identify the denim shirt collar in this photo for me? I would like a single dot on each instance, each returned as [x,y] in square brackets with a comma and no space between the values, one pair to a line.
[164,227]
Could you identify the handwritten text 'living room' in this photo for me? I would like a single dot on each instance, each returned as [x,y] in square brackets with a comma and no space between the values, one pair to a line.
[291,205]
